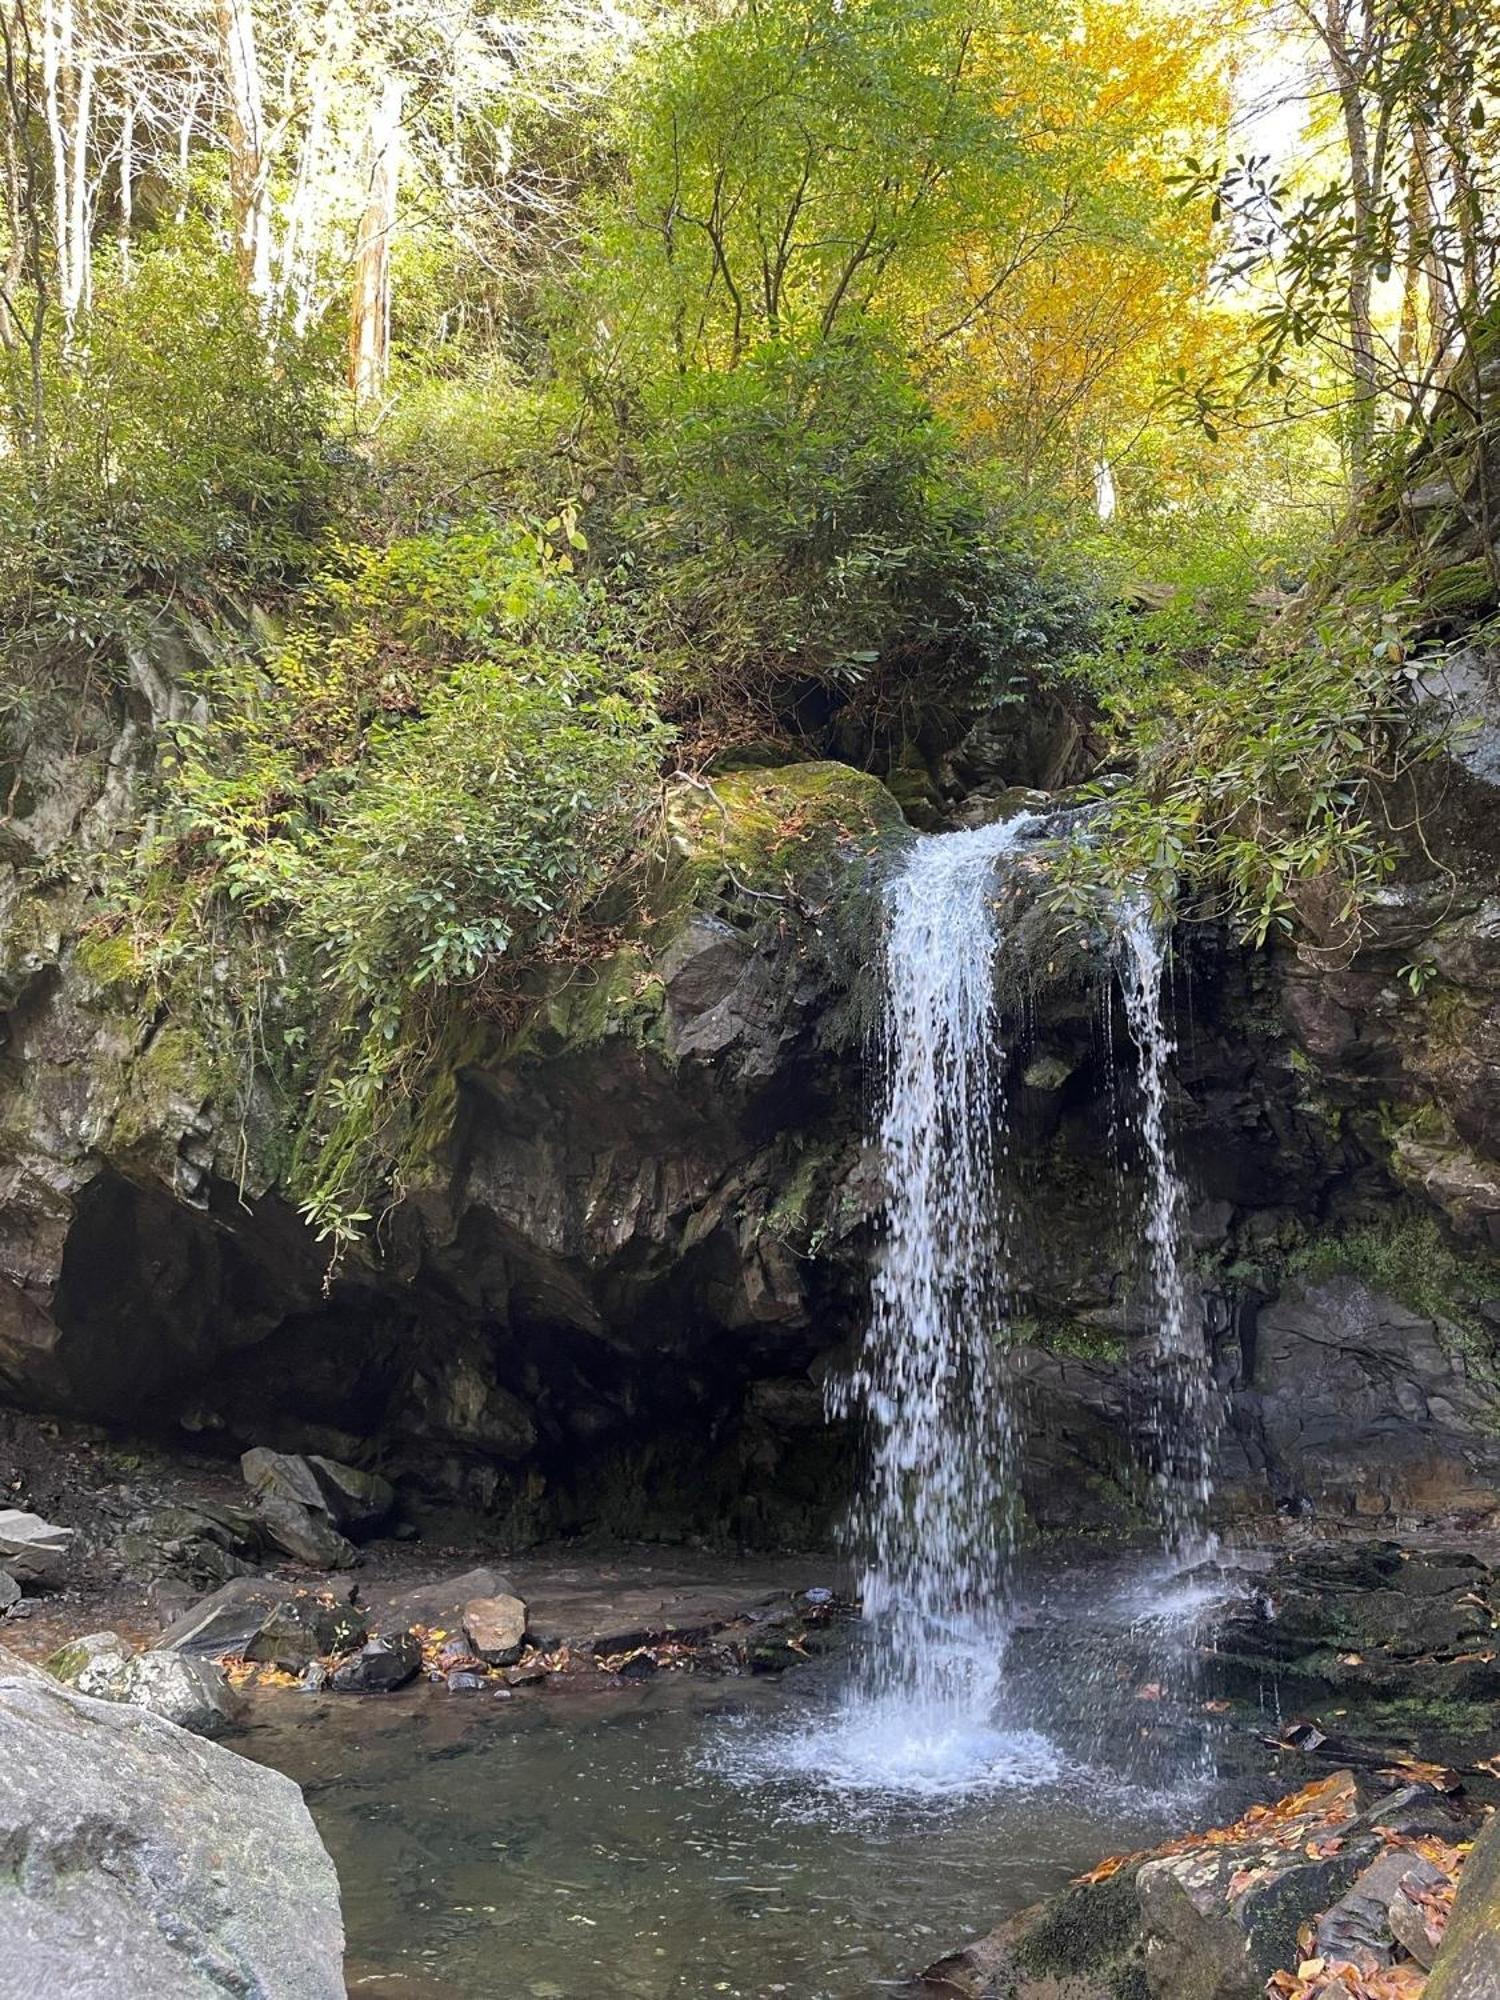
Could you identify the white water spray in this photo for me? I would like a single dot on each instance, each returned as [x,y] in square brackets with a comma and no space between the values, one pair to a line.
[934,1521]
[1187,1412]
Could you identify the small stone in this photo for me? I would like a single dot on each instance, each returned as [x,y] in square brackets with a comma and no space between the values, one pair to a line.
[380,1667]
[315,1677]
[465,1681]
[527,1675]
[10,1591]
[31,1549]
[496,1628]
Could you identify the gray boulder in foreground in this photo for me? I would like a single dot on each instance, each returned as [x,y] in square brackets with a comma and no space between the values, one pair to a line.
[138,1862]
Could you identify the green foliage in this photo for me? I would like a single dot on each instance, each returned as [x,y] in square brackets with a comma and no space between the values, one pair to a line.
[180,455]
[793,167]
[1256,763]
[806,523]
[423,795]
[1408,1257]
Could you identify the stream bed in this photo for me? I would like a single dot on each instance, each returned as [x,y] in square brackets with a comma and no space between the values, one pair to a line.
[651,1839]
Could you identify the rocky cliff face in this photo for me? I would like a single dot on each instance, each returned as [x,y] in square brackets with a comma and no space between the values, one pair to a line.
[613,1298]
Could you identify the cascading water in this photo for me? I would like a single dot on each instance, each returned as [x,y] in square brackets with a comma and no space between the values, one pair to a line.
[933,1524]
[1186,1413]
[927,1713]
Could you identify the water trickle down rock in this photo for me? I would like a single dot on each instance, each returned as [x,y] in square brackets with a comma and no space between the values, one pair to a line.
[1187,1411]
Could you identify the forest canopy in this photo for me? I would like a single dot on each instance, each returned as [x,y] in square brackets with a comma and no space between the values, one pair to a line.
[529,402]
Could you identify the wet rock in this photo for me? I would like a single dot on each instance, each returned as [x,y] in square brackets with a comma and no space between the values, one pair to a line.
[353,1500]
[301,1629]
[528,1674]
[1358,1926]
[496,1628]
[193,1694]
[1212,1917]
[227,1619]
[1368,1623]
[307,1536]
[463,1680]
[381,1665]
[155,1863]
[31,1549]
[1364,1405]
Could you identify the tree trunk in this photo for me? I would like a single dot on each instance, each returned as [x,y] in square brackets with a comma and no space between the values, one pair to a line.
[249,175]
[370,304]
[1364,192]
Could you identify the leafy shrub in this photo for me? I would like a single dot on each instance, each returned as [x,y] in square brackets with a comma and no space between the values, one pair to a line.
[1257,780]
[179,454]
[803,524]
[420,798]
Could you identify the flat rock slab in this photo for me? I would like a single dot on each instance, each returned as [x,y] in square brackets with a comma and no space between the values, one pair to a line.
[228,1619]
[31,1549]
[610,1609]
[147,1864]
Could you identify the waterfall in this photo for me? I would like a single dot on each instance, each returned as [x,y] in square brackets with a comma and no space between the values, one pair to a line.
[933,1523]
[1186,1409]
[927,1711]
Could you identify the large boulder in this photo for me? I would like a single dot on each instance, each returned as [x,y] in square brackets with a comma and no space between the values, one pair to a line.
[1468,1965]
[304,1533]
[226,1621]
[146,1864]
[354,1501]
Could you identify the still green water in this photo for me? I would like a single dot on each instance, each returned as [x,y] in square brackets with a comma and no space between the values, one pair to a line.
[652,1841]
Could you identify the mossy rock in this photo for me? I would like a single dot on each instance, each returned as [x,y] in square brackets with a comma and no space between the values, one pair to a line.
[755,847]
[1466,587]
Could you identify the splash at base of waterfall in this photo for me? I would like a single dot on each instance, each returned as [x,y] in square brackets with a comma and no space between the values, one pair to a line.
[939,1738]
[947,1744]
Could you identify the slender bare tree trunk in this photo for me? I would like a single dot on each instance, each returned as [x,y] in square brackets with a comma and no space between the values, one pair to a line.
[57,39]
[370,304]
[80,292]
[185,145]
[249,181]
[301,234]
[1365,190]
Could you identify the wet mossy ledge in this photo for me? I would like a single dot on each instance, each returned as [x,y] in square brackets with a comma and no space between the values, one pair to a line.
[768,850]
